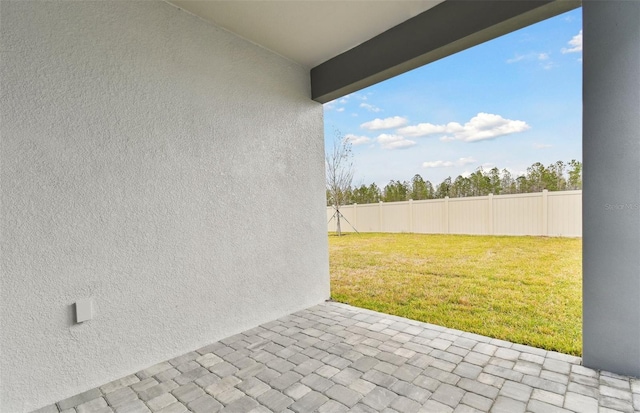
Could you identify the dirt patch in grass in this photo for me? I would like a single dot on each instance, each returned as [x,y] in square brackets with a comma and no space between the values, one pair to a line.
[525,290]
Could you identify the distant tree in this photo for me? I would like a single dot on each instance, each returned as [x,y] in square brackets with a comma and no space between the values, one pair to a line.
[431,193]
[539,177]
[575,175]
[480,183]
[366,194]
[395,191]
[419,189]
[554,177]
[359,194]
[460,188]
[522,185]
[536,174]
[443,189]
[374,193]
[495,181]
[339,170]
[507,183]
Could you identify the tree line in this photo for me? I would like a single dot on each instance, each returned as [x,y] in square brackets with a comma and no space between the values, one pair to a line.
[558,176]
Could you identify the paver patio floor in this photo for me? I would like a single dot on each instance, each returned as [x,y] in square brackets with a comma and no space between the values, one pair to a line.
[338,358]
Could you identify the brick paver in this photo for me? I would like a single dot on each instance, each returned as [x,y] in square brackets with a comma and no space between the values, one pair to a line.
[338,358]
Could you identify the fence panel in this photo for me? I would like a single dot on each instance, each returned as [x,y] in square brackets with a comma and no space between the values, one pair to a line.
[565,213]
[348,212]
[395,217]
[469,216]
[368,218]
[519,214]
[430,217]
[557,214]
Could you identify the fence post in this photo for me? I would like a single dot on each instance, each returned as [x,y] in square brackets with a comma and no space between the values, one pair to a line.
[446,214]
[545,212]
[355,215]
[491,229]
[411,215]
[380,215]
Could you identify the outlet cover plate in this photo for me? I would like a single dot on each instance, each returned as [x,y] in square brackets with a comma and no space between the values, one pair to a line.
[84,310]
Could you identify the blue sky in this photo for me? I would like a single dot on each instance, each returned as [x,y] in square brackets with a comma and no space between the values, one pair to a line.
[508,103]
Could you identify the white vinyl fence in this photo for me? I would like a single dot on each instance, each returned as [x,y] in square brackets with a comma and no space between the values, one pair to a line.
[555,214]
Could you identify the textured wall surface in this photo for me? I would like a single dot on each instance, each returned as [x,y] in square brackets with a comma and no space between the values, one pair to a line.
[168,169]
[611,207]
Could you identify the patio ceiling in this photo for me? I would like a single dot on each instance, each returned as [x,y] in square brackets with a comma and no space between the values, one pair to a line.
[307,32]
[349,45]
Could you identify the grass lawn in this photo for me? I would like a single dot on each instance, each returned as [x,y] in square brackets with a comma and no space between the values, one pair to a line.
[525,290]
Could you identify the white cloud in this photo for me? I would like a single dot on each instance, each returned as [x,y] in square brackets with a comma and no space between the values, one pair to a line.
[516,59]
[483,126]
[388,123]
[548,65]
[446,164]
[370,108]
[542,145]
[532,56]
[437,164]
[466,161]
[357,140]
[424,129]
[337,104]
[394,142]
[575,43]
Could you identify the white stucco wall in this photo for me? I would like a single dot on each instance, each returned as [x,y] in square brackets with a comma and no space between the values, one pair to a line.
[168,169]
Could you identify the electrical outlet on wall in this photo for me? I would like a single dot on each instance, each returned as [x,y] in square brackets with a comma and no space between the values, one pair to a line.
[84,310]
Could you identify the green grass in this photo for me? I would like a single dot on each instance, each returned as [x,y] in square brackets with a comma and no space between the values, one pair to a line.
[525,290]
